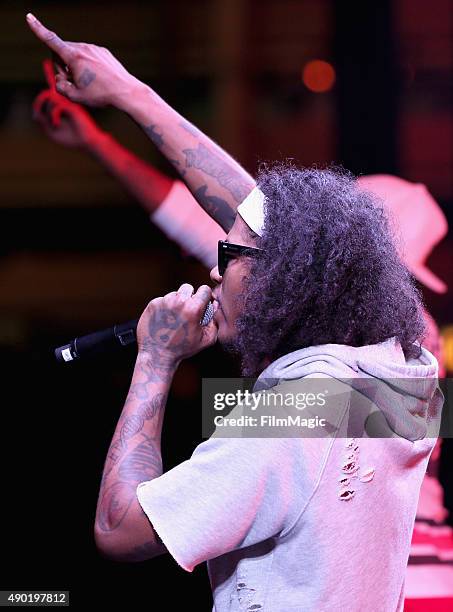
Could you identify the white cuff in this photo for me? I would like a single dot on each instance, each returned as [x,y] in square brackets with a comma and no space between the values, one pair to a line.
[183,220]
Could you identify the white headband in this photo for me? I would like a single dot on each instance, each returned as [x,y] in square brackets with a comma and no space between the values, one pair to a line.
[252,210]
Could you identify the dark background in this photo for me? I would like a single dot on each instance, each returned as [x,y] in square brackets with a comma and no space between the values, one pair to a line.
[77,254]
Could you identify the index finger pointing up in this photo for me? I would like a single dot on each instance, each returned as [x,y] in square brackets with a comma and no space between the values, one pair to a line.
[49,38]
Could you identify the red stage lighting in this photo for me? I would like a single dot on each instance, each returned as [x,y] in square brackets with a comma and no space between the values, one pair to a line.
[318,76]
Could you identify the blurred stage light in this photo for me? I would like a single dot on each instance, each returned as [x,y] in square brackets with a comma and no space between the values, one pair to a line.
[447,335]
[318,76]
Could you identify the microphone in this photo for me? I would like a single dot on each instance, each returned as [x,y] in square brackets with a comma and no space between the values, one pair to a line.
[109,339]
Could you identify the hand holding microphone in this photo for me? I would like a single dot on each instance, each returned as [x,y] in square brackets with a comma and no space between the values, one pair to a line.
[170,329]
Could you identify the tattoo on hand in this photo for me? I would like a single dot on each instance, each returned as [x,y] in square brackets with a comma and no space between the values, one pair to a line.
[167,338]
[213,165]
[86,78]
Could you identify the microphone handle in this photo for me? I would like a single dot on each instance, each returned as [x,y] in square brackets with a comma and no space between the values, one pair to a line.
[109,339]
[102,341]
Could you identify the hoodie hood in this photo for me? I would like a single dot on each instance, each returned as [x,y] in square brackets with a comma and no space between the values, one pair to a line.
[404,393]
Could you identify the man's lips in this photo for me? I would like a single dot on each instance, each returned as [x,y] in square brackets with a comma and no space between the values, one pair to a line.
[217,305]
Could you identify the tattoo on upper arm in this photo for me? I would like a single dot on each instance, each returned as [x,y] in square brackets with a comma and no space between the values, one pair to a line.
[153,134]
[212,164]
[216,207]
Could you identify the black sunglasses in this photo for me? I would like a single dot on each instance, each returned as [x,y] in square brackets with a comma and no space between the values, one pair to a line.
[228,251]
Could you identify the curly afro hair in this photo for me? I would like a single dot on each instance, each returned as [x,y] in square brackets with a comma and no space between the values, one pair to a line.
[329,273]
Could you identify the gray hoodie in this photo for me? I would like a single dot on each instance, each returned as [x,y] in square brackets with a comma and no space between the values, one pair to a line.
[388,395]
[313,523]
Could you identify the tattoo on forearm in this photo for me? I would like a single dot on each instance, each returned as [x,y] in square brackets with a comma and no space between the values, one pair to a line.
[140,391]
[115,503]
[86,78]
[177,165]
[190,128]
[216,207]
[153,134]
[128,463]
[142,463]
[132,426]
[114,454]
[212,164]
[154,405]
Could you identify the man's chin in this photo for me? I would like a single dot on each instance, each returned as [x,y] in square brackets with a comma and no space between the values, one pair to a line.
[229,345]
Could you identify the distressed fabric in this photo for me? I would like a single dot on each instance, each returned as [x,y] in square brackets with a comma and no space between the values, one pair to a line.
[295,524]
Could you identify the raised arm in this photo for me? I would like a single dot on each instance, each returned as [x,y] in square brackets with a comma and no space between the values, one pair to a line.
[96,78]
[171,205]
[215,179]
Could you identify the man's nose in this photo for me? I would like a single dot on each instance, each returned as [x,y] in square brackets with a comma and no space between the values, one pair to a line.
[215,276]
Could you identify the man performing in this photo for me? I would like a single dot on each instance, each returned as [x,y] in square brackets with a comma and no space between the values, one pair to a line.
[309,282]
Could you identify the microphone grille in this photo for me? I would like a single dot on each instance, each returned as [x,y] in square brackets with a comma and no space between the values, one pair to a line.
[208,314]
